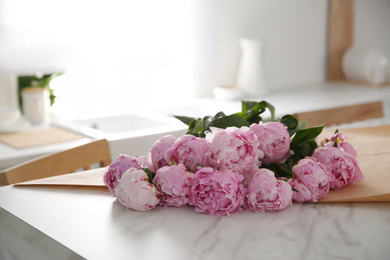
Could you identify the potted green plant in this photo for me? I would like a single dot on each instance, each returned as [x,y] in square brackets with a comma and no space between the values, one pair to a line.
[37,81]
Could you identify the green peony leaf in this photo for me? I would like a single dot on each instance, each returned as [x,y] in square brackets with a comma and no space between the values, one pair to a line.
[306,135]
[247,105]
[208,119]
[192,125]
[185,119]
[305,148]
[199,127]
[150,174]
[280,169]
[290,122]
[251,111]
[227,121]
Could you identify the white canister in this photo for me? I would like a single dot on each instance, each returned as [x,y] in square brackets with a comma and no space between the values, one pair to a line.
[366,66]
[36,105]
[251,76]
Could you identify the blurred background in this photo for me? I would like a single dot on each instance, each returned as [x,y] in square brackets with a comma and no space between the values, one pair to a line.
[96,67]
[127,54]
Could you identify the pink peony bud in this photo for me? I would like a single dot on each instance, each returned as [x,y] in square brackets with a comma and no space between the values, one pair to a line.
[266,193]
[174,185]
[339,163]
[135,192]
[274,141]
[113,173]
[217,192]
[233,149]
[311,180]
[339,139]
[188,150]
[157,151]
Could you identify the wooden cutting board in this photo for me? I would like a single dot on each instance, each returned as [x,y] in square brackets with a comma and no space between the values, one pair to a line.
[39,137]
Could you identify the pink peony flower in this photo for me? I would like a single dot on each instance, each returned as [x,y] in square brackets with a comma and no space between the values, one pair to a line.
[233,149]
[217,192]
[339,138]
[249,175]
[274,141]
[189,150]
[302,194]
[145,162]
[113,173]
[157,151]
[339,163]
[266,193]
[135,192]
[311,180]
[174,185]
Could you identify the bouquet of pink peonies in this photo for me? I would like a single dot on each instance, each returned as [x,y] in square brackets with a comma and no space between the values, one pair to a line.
[228,163]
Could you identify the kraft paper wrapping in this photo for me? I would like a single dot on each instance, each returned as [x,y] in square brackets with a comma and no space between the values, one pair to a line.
[373,153]
[372,145]
[92,177]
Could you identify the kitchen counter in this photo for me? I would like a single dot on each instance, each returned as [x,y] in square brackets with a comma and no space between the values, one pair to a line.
[309,98]
[78,223]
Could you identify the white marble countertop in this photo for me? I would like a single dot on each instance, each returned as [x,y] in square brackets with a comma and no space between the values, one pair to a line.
[85,223]
[78,223]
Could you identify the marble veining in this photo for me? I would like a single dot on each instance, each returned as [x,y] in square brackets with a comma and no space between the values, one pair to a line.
[302,231]
[93,225]
[18,240]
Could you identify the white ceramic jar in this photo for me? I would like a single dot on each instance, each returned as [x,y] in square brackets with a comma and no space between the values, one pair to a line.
[251,76]
[36,105]
[368,66]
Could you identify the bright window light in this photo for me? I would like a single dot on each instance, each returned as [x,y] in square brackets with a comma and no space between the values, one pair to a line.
[120,54]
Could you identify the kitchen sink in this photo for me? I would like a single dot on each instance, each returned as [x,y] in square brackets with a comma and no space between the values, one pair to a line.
[124,126]
[127,133]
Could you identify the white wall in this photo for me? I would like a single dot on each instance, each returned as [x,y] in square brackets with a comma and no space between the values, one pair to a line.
[131,52]
[294,31]
[372,25]
[121,53]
